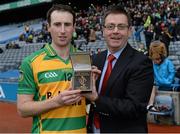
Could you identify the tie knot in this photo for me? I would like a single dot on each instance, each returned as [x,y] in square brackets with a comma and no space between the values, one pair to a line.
[111,58]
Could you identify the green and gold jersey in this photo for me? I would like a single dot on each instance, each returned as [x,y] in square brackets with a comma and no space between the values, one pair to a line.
[44,74]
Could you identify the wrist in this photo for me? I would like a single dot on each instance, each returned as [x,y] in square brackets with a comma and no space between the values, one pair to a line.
[94,99]
[56,102]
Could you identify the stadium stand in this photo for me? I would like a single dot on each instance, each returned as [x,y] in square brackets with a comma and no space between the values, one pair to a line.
[14,31]
[174,50]
[11,58]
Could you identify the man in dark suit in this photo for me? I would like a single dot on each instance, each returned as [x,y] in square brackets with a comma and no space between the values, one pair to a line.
[122,105]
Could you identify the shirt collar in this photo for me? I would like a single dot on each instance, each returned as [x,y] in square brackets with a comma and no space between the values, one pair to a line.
[116,54]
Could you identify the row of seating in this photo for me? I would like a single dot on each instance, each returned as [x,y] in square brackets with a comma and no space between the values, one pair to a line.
[11,58]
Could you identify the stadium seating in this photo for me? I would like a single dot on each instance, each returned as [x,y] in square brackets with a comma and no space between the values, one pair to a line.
[11,58]
[14,31]
[165,105]
[174,53]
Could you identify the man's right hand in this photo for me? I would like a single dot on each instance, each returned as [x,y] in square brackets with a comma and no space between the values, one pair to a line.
[68,97]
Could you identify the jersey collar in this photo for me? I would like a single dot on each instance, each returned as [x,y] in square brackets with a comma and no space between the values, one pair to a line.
[50,51]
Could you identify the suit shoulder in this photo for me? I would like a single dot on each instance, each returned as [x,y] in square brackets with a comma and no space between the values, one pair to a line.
[140,54]
[141,59]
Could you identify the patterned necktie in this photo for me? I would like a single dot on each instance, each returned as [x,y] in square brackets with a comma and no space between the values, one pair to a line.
[104,83]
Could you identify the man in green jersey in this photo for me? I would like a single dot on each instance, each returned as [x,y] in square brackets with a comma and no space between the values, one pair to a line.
[44,91]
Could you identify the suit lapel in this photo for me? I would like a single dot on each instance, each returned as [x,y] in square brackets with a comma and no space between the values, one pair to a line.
[99,62]
[120,65]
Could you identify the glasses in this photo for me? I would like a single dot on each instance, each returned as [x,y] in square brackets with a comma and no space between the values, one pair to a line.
[119,26]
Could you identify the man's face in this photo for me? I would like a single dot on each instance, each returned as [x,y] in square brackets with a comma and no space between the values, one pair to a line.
[116,31]
[61,28]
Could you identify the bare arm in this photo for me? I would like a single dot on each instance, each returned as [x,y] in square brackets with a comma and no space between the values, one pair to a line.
[26,106]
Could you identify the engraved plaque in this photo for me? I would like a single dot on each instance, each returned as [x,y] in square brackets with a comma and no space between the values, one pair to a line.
[82,78]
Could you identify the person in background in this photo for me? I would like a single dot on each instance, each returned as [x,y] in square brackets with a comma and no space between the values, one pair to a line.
[98,50]
[157,31]
[149,34]
[164,70]
[92,35]
[142,49]
[166,37]
[86,33]
[45,92]
[125,84]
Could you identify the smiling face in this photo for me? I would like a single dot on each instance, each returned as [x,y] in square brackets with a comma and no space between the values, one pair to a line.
[61,28]
[116,37]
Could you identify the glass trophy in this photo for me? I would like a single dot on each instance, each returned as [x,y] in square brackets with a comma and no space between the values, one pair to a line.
[82,78]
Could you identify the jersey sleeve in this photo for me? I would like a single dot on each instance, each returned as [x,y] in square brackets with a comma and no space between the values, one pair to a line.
[26,83]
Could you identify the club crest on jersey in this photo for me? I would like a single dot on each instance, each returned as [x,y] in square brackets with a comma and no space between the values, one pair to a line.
[50,75]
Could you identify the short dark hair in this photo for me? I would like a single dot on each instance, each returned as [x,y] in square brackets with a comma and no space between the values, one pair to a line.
[60,7]
[117,9]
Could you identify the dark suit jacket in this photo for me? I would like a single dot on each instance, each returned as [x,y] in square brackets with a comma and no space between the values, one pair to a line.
[123,107]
